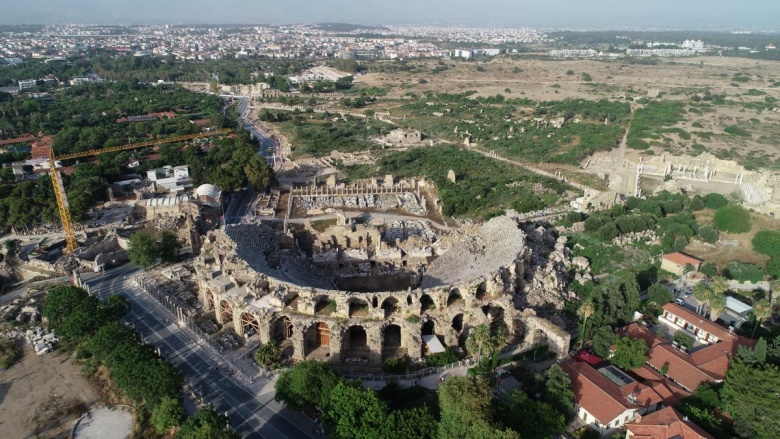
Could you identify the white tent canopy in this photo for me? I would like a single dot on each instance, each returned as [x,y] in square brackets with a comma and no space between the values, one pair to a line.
[433,343]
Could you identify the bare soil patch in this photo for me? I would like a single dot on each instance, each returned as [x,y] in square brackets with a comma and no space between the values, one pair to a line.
[42,396]
[732,247]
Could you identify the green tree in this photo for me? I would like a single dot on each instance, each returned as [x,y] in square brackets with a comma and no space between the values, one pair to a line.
[762,310]
[169,246]
[167,414]
[207,424]
[708,234]
[466,410]
[630,353]
[355,412]
[143,250]
[659,294]
[715,201]
[559,391]
[683,339]
[603,339]
[717,304]
[767,242]
[268,354]
[750,397]
[412,424]
[732,219]
[534,419]
[585,311]
[306,384]
[214,86]
[61,302]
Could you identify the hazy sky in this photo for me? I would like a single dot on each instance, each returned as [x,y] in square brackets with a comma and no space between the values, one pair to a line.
[725,14]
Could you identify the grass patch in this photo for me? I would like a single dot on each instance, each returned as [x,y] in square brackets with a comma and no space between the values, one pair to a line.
[647,121]
[734,130]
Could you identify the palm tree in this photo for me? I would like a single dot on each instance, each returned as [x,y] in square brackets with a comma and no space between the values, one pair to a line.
[702,293]
[585,311]
[719,285]
[717,304]
[479,336]
[762,310]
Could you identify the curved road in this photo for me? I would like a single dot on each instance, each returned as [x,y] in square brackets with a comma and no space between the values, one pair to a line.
[252,411]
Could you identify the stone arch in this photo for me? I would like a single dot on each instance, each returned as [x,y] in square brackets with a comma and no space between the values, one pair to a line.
[481,291]
[209,300]
[454,298]
[322,305]
[291,301]
[496,317]
[390,306]
[354,337]
[457,323]
[316,340]
[426,303]
[538,337]
[281,329]
[250,325]
[374,302]
[358,308]
[226,310]
[428,328]
[391,337]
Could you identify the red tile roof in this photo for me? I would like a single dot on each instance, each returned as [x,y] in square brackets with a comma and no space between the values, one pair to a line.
[666,424]
[594,392]
[601,397]
[42,148]
[27,138]
[682,259]
[690,370]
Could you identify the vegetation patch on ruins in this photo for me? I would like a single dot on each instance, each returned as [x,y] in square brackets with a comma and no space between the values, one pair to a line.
[482,185]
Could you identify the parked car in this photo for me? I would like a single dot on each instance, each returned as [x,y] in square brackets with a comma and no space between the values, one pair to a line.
[679,301]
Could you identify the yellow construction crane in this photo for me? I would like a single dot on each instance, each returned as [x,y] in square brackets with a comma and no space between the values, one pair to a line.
[59,188]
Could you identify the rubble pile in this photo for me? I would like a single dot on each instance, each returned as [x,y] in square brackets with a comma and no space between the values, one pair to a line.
[41,340]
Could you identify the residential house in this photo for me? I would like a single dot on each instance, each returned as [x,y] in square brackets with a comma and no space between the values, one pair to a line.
[607,398]
[708,359]
[665,424]
[677,263]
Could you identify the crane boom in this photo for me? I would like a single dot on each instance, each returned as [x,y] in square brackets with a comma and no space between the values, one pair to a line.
[59,187]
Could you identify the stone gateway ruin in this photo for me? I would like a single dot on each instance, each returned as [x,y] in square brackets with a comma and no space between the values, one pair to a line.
[362,293]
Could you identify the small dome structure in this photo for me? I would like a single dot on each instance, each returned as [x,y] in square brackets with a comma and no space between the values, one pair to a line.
[209,195]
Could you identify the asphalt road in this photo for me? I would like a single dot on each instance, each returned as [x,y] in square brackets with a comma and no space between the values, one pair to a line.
[252,413]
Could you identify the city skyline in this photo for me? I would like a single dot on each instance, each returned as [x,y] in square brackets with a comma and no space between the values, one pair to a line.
[604,13]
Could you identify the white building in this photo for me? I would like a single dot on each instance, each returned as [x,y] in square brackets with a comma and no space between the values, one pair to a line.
[171,178]
[26,84]
[463,53]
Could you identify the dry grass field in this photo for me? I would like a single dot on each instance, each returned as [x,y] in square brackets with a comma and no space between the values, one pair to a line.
[747,90]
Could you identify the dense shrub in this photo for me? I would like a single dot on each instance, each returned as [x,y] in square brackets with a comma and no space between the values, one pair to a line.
[708,234]
[443,358]
[767,242]
[709,269]
[715,201]
[744,272]
[396,366]
[697,203]
[773,268]
[732,219]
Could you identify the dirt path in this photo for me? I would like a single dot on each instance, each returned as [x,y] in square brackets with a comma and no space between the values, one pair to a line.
[42,396]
